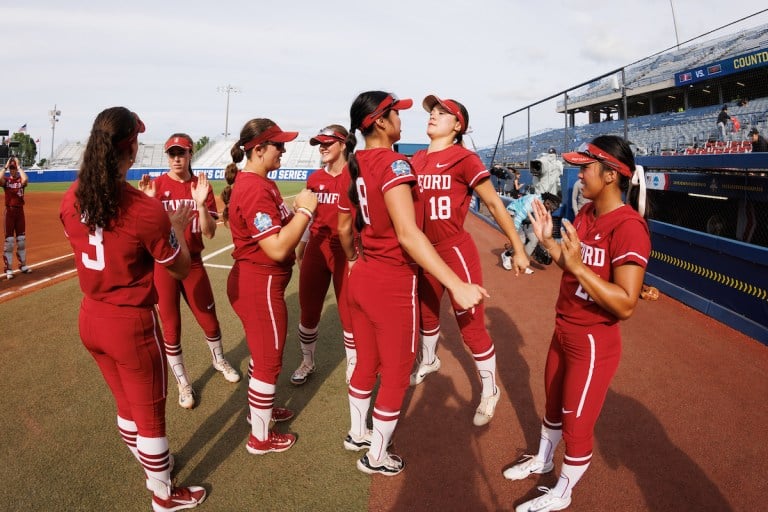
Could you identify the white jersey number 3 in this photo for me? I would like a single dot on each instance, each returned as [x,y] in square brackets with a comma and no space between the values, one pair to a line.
[97,241]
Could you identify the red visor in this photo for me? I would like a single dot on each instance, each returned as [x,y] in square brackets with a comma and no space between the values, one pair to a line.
[391,102]
[138,128]
[178,142]
[449,106]
[326,136]
[588,153]
[271,134]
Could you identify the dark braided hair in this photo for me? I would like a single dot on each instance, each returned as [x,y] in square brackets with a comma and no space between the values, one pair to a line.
[364,104]
[619,148]
[100,183]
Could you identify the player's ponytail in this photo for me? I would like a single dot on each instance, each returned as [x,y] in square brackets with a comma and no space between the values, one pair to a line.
[250,130]
[230,173]
[460,136]
[100,183]
[619,148]
[364,104]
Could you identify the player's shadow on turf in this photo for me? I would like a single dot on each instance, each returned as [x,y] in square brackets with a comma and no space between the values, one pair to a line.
[513,372]
[330,361]
[630,436]
[233,412]
[442,452]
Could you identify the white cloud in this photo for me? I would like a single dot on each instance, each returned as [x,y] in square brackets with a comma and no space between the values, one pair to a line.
[302,64]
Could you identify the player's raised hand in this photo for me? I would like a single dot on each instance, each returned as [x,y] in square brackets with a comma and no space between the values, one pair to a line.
[541,220]
[570,247]
[181,217]
[147,186]
[200,191]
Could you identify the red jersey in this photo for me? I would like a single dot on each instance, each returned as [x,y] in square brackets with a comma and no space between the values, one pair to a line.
[173,194]
[256,211]
[115,265]
[608,241]
[14,191]
[380,170]
[328,190]
[446,179]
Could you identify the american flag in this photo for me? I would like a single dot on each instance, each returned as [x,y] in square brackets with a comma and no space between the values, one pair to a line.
[23,128]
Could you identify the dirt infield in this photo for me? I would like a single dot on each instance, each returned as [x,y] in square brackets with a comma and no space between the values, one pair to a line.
[47,247]
[683,427]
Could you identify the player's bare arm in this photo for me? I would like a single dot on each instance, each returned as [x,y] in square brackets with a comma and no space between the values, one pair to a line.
[618,297]
[180,218]
[282,244]
[496,207]
[347,238]
[200,193]
[401,210]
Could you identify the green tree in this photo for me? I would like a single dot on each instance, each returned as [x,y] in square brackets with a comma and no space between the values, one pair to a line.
[201,143]
[26,150]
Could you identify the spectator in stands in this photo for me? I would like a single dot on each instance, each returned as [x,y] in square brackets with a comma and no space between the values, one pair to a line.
[15,226]
[743,102]
[759,144]
[722,121]
[515,188]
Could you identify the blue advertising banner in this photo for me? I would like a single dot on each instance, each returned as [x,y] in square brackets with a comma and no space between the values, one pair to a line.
[69,175]
[755,59]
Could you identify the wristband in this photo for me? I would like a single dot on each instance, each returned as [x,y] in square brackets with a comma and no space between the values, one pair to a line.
[305,211]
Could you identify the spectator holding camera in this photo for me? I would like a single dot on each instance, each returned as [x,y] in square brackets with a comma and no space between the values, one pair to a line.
[15,225]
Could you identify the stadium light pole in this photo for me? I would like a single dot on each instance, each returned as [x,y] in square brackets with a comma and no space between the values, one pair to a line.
[54,119]
[674,22]
[229,89]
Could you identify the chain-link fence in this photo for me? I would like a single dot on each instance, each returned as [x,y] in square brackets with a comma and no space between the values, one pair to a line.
[666,105]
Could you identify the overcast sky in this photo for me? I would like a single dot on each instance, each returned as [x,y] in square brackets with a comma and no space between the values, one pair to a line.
[301,63]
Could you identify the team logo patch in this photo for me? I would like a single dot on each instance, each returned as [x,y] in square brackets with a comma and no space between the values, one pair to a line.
[262,222]
[401,168]
[172,240]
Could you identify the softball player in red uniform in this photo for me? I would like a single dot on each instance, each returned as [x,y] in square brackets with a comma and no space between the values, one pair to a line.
[117,234]
[320,254]
[383,291]
[179,186]
[447,174]
[265,233]
[603,255]
[15,225]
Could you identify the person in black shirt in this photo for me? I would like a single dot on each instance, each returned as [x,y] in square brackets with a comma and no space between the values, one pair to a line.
[759,144]
[722,121]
